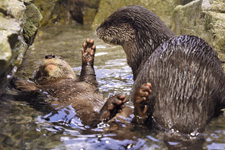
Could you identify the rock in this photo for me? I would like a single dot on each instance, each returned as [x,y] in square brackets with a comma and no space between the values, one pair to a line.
[19,23]
[214,5]
[204,19]
[89,10]
[46,8]
[32,19]
[64,12]
[183,2]
[163,9]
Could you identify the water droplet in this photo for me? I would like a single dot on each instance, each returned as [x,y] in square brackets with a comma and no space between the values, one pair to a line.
[130,146]
[99,136]
[9,76]
[102,125]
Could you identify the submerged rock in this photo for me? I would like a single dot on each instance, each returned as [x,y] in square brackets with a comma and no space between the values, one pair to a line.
[19,23]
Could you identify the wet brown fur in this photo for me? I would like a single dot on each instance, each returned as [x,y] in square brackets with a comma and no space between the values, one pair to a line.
[185,72]
[56,78]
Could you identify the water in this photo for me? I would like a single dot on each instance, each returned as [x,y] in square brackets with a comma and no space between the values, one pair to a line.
[33,126]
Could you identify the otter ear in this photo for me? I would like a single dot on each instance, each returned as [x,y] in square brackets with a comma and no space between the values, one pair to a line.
[23,85]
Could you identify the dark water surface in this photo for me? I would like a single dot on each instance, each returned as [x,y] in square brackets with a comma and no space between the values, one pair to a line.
[26,125]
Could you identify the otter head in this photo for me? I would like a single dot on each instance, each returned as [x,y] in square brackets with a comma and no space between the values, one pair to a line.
[116,30]
[138,30]
[53,67]
[136,24]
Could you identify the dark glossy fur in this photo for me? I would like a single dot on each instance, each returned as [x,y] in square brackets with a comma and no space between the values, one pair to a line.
[187,83]
[186,75]
[137,30]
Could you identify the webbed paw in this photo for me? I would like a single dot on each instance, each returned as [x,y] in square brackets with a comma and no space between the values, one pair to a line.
[88,52]
[112,106]
[140,97]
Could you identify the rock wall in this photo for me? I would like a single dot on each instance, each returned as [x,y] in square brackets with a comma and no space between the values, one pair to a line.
[20,20]
[163,8]
[67,11]
[203,18]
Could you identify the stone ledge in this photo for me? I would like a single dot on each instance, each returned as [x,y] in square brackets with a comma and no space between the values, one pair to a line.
[20,20]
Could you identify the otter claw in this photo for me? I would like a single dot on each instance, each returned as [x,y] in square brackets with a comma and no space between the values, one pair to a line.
[88,52]
[141,95]
[145,109]
[112,106]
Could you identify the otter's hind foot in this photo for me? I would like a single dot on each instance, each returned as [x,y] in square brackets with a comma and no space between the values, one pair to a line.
[139,102]
[88,52]
[112,106]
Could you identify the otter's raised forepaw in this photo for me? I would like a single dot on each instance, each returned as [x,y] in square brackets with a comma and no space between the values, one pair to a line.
[140,97]
[112,106]
[88,52]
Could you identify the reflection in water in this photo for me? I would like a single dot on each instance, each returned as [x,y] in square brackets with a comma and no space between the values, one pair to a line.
[30,125]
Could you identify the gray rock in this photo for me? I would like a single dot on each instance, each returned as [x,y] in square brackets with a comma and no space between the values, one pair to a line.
[19,24]
[162,8]
[32,19]
[214,5]
[70,11]
[204,19]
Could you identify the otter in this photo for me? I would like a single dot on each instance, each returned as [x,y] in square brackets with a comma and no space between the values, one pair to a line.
[183,72]
[56,77]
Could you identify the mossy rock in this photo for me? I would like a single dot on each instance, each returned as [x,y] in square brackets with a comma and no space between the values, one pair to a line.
[19,23]
[214,5]
[32,19]
[203,20]
[46,8]
[163,9]
[65,12]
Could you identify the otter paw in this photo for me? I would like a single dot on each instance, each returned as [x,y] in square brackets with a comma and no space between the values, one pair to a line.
[140,97]
[23,85]
[88,52]
[112,106]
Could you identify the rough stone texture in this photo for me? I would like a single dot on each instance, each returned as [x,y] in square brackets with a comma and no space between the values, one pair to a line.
[17,31]
[46,8]
[32,19]
[67,11]
[163,9]
[214,5]
[204,19]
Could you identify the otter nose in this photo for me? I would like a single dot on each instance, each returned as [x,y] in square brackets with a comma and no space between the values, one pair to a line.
[49,56]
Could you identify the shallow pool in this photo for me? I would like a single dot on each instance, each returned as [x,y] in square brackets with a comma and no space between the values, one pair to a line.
[26,125]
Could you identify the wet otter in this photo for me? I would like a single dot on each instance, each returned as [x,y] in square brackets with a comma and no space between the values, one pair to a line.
[56,77]
[187,80]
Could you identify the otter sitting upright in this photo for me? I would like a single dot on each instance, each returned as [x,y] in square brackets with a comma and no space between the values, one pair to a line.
[187,80]
[57,78]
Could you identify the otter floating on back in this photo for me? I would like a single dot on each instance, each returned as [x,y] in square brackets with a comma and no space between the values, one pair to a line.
[188,82]
[56,77]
